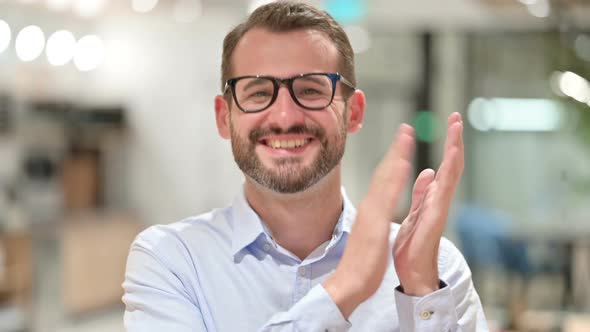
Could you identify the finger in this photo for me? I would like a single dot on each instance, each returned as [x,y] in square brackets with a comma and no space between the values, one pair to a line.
[454,117]
[454,141]
[400,147]
[424,179]
[448,176]
[453,133]
[392,172]
[452,165]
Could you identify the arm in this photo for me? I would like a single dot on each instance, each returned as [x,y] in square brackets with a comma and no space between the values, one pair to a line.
[155,298]
[367,253]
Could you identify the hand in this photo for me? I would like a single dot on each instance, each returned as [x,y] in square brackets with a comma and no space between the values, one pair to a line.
[366,256]
[415,251]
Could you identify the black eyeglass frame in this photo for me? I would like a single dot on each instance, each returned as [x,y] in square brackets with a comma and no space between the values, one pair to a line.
[277,82]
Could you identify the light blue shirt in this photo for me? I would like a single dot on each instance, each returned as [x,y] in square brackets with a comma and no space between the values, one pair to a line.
[222,272]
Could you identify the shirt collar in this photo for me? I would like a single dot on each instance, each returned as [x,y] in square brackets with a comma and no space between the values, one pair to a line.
[247,225]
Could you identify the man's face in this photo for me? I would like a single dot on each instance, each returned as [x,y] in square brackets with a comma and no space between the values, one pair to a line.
[287,148]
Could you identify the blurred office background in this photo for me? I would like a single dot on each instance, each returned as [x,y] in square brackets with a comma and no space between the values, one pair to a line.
[107,126]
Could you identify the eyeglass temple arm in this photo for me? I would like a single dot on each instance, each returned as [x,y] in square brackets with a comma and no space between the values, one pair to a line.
[347,82]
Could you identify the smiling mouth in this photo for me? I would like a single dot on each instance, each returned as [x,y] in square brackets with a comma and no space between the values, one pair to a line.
[287,143]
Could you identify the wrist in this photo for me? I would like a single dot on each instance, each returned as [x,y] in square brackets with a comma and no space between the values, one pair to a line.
[421,290]
[344,294]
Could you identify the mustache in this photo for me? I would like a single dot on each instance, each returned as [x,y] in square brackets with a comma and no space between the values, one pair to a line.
[314,131]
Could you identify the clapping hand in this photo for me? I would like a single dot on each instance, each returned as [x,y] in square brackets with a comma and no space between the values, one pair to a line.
[415,250]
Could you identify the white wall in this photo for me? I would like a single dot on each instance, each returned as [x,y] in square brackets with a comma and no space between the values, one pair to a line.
[177,164]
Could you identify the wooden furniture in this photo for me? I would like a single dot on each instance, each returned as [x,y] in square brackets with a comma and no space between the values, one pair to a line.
[94,254]
[16,270]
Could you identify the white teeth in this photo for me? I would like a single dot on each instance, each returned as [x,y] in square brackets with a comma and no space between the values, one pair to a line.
[287,144]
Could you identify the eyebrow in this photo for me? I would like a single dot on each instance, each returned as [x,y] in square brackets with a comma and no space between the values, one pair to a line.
[312,78]
[255,82]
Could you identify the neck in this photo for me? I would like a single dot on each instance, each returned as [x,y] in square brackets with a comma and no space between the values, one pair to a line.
[299,222]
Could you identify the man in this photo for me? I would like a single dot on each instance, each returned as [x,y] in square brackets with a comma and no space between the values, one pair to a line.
[291,253]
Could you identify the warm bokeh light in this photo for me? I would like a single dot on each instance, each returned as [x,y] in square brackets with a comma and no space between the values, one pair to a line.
[5,35]
[89,8]
[89,53]
[60,47]
[143,6]
[59,5]
[29,43]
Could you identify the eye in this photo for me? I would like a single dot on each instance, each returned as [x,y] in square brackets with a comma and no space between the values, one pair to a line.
[259,93]
[309,91]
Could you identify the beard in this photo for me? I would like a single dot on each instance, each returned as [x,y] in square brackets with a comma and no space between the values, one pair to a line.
[288,174]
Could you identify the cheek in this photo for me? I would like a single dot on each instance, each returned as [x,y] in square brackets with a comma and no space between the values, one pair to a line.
[243,124]
[335,114]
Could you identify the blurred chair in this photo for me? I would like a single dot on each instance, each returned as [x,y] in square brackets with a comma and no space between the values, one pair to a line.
[489,243]
[486,242]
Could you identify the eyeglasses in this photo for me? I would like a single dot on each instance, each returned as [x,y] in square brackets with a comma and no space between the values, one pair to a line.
[314,91]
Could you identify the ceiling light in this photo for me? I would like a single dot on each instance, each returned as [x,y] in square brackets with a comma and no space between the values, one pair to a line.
[5,35]
[29,43]
[513,114]
[89,53]
[60,47]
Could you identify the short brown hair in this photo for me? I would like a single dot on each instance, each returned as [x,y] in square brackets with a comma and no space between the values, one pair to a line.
[284,16]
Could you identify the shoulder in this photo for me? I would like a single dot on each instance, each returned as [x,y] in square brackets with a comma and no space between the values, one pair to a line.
[182,236]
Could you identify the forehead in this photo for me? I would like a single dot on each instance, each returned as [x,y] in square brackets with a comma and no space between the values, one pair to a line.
[284,54]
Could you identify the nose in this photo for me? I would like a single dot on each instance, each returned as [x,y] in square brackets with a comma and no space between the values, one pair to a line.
[284,112]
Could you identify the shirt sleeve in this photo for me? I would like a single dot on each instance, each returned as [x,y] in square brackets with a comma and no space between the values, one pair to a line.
[155,299]
[315,312]
[453,308]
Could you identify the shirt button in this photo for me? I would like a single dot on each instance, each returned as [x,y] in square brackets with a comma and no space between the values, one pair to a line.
[302,271]
[266,247]
[425,315]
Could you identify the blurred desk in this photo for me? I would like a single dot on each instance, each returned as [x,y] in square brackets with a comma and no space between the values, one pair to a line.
[94,251]
[16,280]
[16,268]
[574,239]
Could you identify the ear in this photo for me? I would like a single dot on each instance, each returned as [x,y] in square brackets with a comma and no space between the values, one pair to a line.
[222,117]
[356,111]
